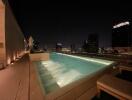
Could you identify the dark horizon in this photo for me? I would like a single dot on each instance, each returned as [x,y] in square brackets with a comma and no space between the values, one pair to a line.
[68,23]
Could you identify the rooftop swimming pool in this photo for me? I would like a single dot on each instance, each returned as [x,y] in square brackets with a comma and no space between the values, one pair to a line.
[63,69]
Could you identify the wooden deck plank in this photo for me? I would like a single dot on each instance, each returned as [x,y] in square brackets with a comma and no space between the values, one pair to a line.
[14,80]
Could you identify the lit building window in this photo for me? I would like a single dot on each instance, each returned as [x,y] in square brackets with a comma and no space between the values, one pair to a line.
[121,24]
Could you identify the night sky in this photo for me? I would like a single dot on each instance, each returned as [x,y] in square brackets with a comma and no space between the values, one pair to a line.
[68,23]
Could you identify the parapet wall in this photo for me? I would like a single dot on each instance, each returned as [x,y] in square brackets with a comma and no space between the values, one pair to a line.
[2,32]
[14,38]
[123,49]
[11,37]
[39,56]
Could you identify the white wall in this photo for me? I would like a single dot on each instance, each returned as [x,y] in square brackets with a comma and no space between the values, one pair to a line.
[14,39]
[2,32]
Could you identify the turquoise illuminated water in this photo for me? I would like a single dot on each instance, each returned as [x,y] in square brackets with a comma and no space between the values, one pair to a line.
[63,69]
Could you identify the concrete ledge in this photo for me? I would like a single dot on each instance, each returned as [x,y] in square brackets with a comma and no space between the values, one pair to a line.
[121,89]
[39,56]
[36,92]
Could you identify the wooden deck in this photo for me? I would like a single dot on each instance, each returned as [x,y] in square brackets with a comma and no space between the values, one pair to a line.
[14,81]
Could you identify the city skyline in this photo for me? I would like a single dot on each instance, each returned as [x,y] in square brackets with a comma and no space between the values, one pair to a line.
[50,23]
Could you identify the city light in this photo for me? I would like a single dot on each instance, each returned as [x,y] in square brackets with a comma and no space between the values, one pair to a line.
[121,24]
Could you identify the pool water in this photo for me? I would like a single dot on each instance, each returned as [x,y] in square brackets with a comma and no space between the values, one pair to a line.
[63,69]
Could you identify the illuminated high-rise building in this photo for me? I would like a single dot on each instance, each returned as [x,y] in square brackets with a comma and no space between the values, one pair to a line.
[93,43]
[58,47]
[122,35]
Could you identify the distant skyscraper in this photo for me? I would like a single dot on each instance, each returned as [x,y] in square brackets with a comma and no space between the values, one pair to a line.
[73,47]
[58,47]
[93,43]
[122,35]
[85,46]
